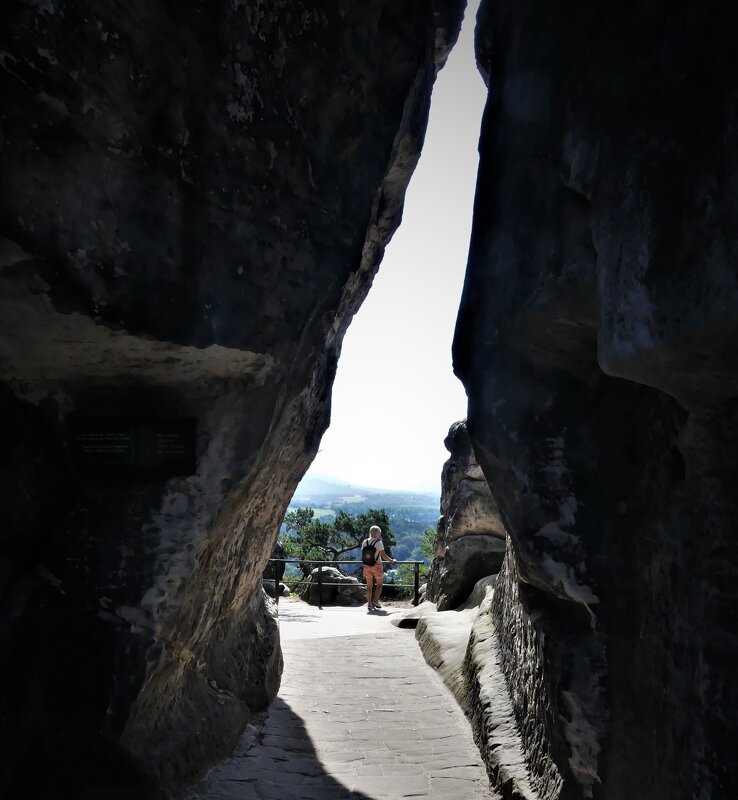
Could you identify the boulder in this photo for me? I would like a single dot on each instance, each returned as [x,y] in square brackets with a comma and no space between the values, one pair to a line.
[336,589]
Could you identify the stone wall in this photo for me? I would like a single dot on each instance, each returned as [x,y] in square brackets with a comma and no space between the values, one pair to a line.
[194,201]
[598,343]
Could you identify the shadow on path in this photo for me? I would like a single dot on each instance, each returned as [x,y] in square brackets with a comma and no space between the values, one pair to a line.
[359,715]
[275,758]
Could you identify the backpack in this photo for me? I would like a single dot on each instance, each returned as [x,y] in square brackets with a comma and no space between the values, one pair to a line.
[368,553]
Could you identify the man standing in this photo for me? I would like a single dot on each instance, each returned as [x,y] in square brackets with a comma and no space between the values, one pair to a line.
[374,573]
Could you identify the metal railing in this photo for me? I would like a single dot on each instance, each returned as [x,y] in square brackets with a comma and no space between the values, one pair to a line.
[321,583]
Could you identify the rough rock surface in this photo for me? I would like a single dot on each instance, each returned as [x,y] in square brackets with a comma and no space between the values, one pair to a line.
[462,646]
[598,344]
[194,201]
[336,588]
[470,540]
[466,561]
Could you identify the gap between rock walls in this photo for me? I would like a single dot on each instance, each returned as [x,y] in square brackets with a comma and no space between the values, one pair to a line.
[194,206]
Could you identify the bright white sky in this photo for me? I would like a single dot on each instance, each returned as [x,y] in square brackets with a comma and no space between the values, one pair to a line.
[395,394]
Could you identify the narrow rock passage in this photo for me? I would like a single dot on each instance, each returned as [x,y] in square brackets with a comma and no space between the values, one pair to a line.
[359,715]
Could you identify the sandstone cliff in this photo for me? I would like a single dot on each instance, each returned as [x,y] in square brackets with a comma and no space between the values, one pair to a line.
[598,343]
[470,540]
[194,201]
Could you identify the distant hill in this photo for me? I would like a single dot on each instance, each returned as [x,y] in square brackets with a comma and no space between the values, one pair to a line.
[322,489]
[312,485]
[410,513]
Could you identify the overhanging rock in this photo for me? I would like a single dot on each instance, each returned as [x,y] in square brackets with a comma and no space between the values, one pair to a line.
[195,200]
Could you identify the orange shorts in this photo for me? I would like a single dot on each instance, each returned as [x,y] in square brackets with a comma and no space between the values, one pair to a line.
[376,572]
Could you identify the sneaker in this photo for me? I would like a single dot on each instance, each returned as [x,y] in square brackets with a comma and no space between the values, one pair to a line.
[377,604]
[370,607]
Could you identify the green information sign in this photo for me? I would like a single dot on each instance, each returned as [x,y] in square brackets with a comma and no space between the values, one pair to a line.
[156,448]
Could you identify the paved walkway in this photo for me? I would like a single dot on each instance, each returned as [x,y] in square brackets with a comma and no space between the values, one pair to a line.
[359,715]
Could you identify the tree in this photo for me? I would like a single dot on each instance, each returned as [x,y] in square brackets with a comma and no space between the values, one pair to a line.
[309,539]
[427,542]
[406,575]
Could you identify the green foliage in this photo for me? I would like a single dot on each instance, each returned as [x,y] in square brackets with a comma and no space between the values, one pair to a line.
[409,513]
[306,536]
[312,539]
[407,523]
[404,574]
[427,542]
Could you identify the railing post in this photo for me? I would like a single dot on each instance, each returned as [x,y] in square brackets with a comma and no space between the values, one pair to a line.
[417,583]
[320,586]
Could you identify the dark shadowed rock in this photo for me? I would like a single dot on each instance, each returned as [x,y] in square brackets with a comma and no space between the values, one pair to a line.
[274,572]
[194,202]
[598,343]
[470,539]
[466,561]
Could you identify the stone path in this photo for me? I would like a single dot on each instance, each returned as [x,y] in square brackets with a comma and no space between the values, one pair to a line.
[359,715]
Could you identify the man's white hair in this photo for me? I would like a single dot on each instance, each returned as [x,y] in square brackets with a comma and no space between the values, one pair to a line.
[375,528]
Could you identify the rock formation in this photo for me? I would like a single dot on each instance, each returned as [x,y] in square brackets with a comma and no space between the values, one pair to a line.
[470,540]
[195,200]
[335,588]
[598,344]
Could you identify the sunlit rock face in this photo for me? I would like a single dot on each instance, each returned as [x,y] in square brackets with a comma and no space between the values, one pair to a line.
[470,540]
[597,342]
[194,201]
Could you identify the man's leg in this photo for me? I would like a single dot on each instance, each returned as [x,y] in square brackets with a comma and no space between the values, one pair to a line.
[378,590]
[369,590]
